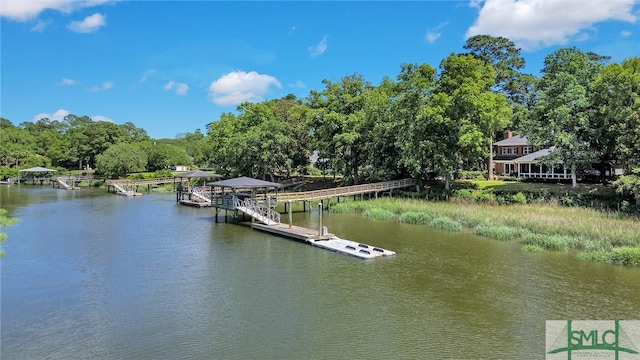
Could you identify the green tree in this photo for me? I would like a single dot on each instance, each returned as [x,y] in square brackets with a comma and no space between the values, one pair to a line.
[196,145]
[4,221]
[615,122]
[562,116]
[161,156]
[134,134]
[16,144]
[265,139]
[503,55]
[338,123]
[629,184]
[478,111]
[120,159]
[382,148]
[90,138]
[412,110]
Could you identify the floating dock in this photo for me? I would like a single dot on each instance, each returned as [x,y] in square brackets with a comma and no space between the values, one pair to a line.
[327,241]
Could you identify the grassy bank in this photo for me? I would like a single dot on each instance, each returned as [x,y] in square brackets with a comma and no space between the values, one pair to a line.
[594,235]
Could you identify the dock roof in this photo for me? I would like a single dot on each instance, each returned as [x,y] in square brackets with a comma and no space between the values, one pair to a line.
[197,174]
[37,169]
[244,182]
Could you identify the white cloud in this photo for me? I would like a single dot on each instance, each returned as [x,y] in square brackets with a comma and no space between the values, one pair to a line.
[147,74]
[434,33]
[102,118]
[23,10]
[179,88]
[40,25]
[237,87]
[532,24]
[68,82]
[293,28]
[105,86]
[625,33]
[59,115]
[318,49]
[90,24]
[298,85]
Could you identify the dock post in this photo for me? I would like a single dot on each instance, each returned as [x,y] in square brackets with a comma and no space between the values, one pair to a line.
[320,218]
[289,213]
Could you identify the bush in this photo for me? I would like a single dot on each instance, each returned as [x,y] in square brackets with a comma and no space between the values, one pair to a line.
[313,171]
[465,194]
[164,173]
[416,218]
[519,198]
[472,175]
[379,214]
[483,196]
[136,176]
[445,223]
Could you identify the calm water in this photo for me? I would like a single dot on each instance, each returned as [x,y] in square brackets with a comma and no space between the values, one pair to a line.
[94,275]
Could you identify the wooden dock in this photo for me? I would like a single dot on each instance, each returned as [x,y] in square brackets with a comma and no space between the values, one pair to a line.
[198,204]
[294,232]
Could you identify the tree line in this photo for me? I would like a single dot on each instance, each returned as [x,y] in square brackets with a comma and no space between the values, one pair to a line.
[425,122]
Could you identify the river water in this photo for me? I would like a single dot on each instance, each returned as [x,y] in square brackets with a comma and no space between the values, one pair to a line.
[89,274]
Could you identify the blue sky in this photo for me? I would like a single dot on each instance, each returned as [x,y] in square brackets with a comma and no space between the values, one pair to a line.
[172,67]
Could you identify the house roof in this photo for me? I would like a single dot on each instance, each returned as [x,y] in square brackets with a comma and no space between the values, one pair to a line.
[513,141]
[533,157]
[197,174]
[37,169]
[244,182]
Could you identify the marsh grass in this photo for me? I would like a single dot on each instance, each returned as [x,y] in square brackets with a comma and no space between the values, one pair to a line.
[626,256]
[445,223]
[532,248]
[599,236]
[500,232]
[416,218]
[379,214]
[343,208]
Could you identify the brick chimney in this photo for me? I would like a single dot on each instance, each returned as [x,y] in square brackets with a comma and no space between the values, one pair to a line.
[508,134]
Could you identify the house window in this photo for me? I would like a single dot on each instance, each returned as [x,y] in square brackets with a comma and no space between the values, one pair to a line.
[509,169]
[509,151]
[526,150]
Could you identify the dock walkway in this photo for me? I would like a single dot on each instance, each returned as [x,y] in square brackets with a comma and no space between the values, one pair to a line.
[346,191]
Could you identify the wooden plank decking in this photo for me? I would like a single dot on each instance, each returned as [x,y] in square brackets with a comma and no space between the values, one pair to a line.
[345,191]
[295,232]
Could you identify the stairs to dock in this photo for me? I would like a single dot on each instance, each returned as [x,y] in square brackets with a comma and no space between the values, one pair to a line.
[200,195]
[61,181]
[258,211]
[122,190]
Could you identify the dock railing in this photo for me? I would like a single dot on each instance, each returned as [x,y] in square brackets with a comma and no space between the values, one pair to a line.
[258,211]
[345,191]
